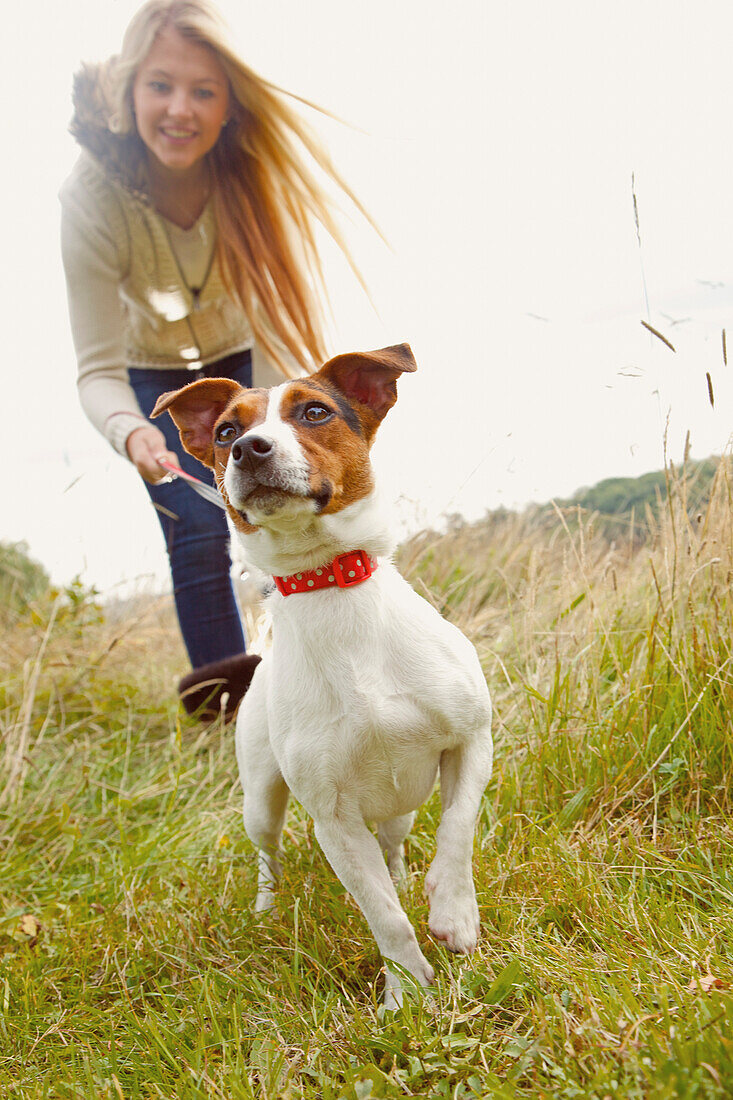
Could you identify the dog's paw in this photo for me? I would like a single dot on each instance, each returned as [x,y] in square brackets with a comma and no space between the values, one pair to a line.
[393,994]
[454,919]
[396,985]
[424,975]
[265,900]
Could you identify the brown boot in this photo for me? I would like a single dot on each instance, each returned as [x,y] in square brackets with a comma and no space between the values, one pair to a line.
[202,689]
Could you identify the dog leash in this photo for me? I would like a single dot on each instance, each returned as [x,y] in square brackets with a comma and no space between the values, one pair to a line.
[208,492]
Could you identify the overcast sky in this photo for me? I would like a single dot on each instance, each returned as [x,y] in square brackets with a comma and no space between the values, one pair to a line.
[495,144]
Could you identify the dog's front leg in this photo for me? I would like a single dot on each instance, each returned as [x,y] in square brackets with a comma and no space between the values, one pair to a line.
[464,773]
[265,791]
[264,811]
[355,856]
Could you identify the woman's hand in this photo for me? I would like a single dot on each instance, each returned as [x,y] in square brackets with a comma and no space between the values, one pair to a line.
[145,446]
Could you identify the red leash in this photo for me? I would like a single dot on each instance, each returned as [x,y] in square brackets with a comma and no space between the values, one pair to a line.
[208,492]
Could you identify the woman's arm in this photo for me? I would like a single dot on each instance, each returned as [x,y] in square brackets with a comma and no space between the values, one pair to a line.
[93,270]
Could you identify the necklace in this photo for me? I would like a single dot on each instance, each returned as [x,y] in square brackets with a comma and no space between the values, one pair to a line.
[194,291]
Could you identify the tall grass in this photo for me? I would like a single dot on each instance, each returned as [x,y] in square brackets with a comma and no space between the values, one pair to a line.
[131,964]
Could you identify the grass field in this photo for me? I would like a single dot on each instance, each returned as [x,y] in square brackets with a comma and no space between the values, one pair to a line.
[131,964]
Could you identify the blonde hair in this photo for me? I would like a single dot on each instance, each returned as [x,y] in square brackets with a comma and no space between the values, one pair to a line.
[265,193]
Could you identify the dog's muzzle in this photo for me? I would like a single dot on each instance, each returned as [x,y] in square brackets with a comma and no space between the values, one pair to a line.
[261,477]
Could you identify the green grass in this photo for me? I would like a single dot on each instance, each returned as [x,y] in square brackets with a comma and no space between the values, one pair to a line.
[131,964]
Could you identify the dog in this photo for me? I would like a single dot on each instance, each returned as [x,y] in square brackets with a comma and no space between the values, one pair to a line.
[367,693]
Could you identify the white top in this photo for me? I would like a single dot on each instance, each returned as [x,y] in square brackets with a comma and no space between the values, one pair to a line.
[130,276]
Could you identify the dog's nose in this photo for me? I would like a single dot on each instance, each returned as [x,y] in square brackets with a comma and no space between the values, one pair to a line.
[249,449]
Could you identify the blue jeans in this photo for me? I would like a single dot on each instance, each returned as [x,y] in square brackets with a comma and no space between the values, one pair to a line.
[195,531]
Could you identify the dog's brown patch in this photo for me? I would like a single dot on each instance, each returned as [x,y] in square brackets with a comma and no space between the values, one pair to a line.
[337,450]
[245,411]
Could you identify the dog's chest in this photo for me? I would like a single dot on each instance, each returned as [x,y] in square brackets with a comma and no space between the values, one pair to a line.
[368,688]
[359,741]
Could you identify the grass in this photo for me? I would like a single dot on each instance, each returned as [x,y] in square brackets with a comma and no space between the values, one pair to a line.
[131,964]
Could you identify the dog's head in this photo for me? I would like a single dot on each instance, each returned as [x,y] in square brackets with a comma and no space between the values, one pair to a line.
[301,447]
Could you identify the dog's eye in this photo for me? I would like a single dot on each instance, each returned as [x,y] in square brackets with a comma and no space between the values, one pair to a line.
[225,433]
[316,414]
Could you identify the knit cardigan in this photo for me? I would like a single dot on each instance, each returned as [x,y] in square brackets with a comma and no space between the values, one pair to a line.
[130,303]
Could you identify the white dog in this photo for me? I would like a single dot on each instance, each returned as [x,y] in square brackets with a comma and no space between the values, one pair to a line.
[367,692]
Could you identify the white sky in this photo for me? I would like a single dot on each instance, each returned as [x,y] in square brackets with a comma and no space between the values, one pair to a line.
[495,144]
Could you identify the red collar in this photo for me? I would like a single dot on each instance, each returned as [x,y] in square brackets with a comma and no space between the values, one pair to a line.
[345,571]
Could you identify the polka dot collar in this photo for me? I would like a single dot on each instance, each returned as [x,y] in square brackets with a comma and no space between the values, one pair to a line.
[345,571]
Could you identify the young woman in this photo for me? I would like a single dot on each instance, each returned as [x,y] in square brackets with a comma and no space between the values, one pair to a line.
[189,251]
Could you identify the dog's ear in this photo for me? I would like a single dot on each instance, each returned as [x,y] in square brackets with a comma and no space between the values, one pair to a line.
[195,410]
[370,377]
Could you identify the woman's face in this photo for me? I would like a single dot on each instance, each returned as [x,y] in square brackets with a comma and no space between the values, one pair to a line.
[181,98]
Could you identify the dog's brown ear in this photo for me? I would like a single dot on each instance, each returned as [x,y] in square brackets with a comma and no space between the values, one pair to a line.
[370,377]
[195,410]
